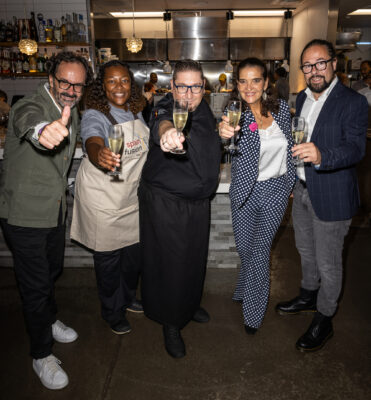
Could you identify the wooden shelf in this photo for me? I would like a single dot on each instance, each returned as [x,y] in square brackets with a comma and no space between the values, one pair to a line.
[24,75]
[45,44]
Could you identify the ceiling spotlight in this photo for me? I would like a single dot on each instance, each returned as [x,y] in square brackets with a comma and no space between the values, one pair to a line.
[229,15]
[167,16]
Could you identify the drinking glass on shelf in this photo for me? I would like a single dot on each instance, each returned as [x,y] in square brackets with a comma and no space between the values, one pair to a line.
[299,134]
[180,115]
[234,115]
[115,143]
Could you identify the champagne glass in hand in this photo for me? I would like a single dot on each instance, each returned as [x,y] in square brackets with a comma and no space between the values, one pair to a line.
[180,115]
[299,134]
[115,143]
[234,115]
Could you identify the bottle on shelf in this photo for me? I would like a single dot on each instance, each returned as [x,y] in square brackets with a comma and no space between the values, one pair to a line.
[45,55]
[49,34]
[75,28]
[69,28]
[15,30]
[19,63]
[41,28]
[33,28]
[13,63]
[2,30]
[57,31]
[9,32]
[25,64]
[24,29]
[63,29]
[6,62]
[82,29]
[33,63]
[40,63]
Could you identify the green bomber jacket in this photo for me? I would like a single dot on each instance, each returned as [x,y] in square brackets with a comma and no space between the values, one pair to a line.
[33,179]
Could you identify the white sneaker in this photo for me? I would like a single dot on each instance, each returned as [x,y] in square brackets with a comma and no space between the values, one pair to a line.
[62,333]
[50,373]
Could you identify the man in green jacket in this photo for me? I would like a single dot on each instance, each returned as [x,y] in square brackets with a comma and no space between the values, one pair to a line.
[39,146]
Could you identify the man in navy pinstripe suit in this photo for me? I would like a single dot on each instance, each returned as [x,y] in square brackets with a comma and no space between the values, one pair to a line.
[326,193]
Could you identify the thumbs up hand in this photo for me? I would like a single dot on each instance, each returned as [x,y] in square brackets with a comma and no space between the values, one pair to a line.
[54,133]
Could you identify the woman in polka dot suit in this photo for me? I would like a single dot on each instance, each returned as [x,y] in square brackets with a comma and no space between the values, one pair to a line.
[262,179]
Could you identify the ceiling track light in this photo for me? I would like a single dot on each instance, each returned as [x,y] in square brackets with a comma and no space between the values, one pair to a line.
[167,16]
[287,14]
[229,15]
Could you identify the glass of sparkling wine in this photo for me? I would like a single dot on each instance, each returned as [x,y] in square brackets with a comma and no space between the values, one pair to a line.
[299,134]
[234,115]
[180,115]
[115,143]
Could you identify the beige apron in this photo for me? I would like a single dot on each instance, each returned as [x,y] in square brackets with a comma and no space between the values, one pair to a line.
[105,210]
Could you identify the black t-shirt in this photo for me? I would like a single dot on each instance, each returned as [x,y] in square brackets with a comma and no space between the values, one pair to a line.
[193,175]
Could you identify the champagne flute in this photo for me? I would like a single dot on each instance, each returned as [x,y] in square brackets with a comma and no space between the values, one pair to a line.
[180,116]
[115,143]
[234,115]
[299,134]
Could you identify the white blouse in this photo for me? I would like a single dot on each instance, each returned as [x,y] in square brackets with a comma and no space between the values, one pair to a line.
[273,153]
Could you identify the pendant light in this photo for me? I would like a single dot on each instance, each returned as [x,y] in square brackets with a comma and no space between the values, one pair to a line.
[167,67]
[134,44]
[228,66]
[27,46]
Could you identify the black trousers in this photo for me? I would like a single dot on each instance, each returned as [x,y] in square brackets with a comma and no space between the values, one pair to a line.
[117,274]
[38,261]
[174,237]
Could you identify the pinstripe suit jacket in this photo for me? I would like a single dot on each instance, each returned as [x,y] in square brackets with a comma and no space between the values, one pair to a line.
[245,164]
[340,135]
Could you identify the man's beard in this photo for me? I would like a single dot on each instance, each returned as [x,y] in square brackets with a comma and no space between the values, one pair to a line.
[319,87]
[57,98]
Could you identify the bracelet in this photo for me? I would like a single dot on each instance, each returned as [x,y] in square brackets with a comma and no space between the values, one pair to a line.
[41,131]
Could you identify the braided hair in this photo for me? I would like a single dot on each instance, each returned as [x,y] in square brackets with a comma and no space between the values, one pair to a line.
[96,96]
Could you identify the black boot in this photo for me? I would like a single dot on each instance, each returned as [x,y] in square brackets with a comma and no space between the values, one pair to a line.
[201,315]
[305,302]
[173,341]
[319,331]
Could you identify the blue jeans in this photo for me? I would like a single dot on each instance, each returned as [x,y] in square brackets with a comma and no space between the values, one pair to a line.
[320,245]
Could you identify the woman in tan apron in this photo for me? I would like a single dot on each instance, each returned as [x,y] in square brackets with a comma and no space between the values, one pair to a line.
[105,213]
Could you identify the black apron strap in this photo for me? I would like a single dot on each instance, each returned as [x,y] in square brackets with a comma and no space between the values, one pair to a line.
[111,119]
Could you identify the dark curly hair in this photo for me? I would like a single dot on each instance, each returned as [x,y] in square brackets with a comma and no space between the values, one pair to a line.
[51,66]
[96,96]
[270,104]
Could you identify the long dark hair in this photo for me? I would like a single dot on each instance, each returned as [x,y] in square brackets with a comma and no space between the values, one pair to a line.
[96,96]
[270,104]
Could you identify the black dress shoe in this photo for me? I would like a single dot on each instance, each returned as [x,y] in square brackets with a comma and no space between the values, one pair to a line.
[250,330]
[319,331]
[174,343]
[201,315]
[304,303]
[121,327]
[135,306]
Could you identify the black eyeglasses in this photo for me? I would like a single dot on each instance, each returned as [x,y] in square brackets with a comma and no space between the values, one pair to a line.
[65,85]
[320,66]
[182,89]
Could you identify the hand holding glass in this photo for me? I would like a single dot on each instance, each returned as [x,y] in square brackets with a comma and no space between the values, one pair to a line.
[115,143]
[180,116]
[234,115]
[299,134]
